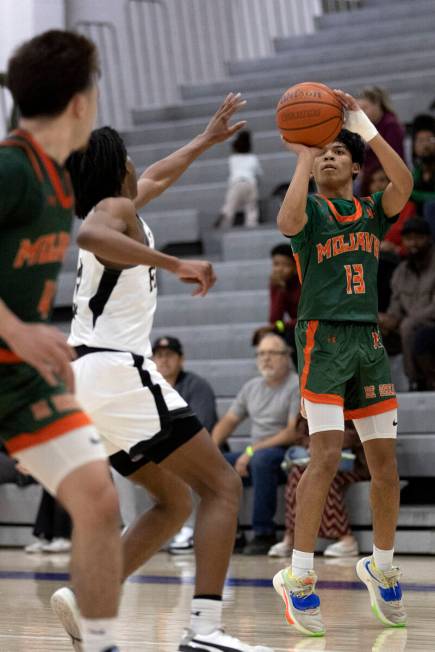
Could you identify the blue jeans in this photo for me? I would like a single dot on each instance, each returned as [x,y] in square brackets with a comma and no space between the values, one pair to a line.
[265,474]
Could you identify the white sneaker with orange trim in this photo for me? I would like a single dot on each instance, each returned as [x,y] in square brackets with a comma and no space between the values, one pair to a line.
[302,604]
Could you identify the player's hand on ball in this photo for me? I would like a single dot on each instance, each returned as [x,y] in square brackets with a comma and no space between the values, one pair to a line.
[197,271]
[348,102]
[46,349]
[355,119]
[219,128]
[299,149]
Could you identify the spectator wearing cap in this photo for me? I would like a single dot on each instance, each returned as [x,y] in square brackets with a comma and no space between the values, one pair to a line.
[169,358]
[411,312]
[271,400]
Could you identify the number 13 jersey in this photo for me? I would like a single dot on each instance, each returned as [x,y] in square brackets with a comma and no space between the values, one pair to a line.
[114,309]
[337,255]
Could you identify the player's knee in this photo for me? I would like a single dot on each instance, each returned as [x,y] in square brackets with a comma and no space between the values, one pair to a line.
[230,489]
[384,470]
[326,461]
[100,504]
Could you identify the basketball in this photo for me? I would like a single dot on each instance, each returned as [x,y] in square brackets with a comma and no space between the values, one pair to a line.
[310,114]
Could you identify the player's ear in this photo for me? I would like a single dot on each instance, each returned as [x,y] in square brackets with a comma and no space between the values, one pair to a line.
[356,168]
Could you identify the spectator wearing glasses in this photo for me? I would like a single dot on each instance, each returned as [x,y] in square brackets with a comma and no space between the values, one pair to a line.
[271,400]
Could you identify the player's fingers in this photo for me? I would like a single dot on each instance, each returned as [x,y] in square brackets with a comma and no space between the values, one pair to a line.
[234,128]
[46,371]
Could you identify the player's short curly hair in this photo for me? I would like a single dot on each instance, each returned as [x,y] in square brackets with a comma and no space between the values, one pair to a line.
[98,171]
[354,143]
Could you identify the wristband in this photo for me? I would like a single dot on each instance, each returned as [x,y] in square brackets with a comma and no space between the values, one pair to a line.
[359,123]
[249,451]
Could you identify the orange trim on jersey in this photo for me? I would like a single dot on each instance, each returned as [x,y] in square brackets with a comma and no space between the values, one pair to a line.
[372,410]
[53,430]
[11,142]
[330,399]
[345,218]
[9,357]
[309,346]
[65,200]
[298,267]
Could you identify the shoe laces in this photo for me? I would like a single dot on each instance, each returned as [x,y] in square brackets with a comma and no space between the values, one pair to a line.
[304,586]
[390,578]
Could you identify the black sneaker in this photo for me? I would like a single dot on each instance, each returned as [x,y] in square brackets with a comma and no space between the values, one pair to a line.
[260,544]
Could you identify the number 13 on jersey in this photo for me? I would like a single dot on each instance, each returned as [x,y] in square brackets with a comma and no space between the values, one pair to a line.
[355,279]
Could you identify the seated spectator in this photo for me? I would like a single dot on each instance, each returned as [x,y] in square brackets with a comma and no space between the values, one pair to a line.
[412,308]
[242,193]
[391,249]
[196,391]
[375,102]
[285,291]
[335,522]
[271,401]
[423,152]
[52,527]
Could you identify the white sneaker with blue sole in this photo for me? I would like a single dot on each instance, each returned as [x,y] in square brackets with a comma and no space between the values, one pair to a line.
[385,592]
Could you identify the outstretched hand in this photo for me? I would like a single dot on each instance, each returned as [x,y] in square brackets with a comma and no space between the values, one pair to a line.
[219,129]
[200,272]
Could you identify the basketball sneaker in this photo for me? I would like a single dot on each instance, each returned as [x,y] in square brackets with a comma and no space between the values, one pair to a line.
[64,605]
[215,641]
[302,604]
[385,592]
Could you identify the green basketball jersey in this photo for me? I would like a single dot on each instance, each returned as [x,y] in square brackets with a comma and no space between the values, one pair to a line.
[36,204]
[337,256]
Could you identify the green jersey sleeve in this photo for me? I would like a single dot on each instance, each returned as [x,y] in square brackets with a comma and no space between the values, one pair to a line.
[313,211]
[384,221]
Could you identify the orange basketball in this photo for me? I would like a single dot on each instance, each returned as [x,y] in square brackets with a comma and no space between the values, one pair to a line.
[309,114]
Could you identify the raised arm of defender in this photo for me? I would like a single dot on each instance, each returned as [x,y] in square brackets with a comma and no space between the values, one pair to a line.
[159,176]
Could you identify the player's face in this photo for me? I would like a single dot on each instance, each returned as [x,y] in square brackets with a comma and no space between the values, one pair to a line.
[273,359]
[283,267]
[168,363]
[424,144]
[334,166]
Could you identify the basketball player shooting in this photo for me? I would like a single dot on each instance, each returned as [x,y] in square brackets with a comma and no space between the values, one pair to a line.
[151,434]
[343,366]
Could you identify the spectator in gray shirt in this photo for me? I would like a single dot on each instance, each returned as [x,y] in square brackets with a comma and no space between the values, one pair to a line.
[272,402]
[169,358]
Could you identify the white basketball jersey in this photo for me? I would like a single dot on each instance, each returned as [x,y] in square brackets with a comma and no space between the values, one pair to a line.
[114,309]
